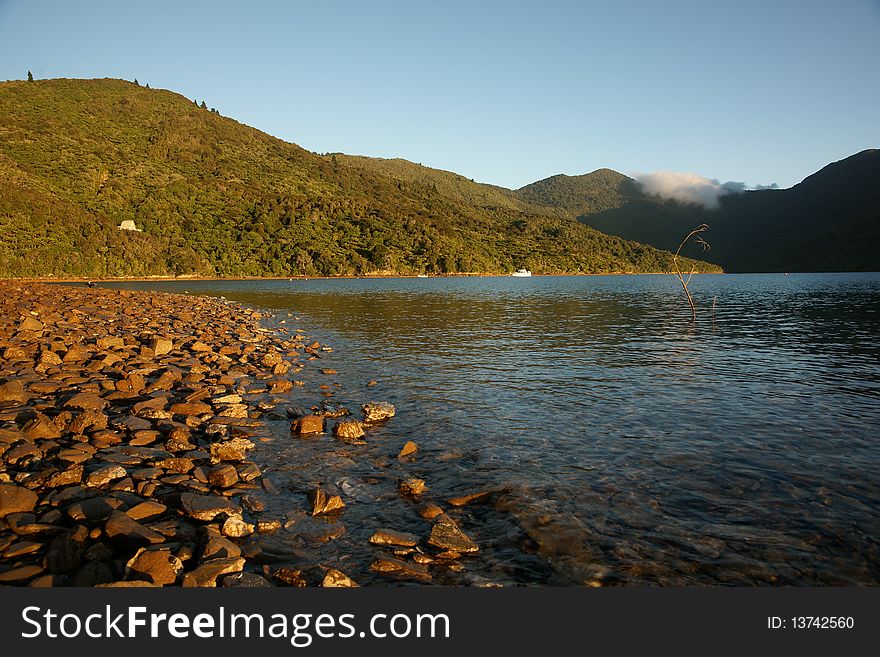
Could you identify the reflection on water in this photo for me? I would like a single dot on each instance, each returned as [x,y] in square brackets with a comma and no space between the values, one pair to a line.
[626,445]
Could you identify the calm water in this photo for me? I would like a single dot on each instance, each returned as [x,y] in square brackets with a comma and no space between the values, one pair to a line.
[626,444]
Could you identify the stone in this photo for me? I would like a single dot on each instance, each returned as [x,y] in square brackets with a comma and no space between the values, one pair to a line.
[377,411]
[12,391]
[207,507]
[146,510]
[133,383]
[105,475]
[245,580]
[280,386]
[215,546]
[349,429]
[290,577]
[270,359]
[412,486]
[230,450]
[110,342]
[87,401]
[337,579]
[65,553]
[93,573]
[92,509]
[208,571]
[88,419]
[430,511]
[20,575]
[321,503]
[39,427]
[122,529]
[191,408]
[393,538]
[16,499]
[161,346]
[308,424]
[157,566]
[267,526]
[446,535]
[409,448]
[401,568]
[72,475]
[30,324]
[199,347]
[236,528]
[328,371]
[470,497]
[223,476]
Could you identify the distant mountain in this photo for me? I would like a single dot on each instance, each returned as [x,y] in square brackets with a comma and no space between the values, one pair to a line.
[211,196]
[828,222]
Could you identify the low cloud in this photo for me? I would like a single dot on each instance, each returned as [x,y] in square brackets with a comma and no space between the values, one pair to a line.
[691,188]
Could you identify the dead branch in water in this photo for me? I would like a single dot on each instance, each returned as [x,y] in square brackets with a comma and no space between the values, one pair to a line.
[677,270]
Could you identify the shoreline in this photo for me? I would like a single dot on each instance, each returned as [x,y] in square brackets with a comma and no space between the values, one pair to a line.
[126,418]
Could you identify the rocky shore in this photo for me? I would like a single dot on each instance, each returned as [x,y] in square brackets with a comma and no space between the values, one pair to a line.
[126,420]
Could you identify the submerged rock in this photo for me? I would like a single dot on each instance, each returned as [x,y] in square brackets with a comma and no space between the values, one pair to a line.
[393,538]
[377,411]
[447,535]
[349,429]
[321,503]
[337,579]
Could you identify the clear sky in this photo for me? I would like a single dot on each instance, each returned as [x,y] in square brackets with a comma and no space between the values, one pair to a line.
[502,92]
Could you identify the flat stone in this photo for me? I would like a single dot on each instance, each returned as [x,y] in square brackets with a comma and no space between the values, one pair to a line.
[192,408]
[105,475]
[161,346]
[470,497]
[208,571]
[245,581]
[207,507]
[122,529]
[157,566]
[93,509]
[308,424]
[236,528]
[409,448]
[400,568]
[40,427]
[337,579]
[223,476]
[446,535]
[20,575]
[12,391]
[16,499]
[394,538]
[87,401]
[146,510]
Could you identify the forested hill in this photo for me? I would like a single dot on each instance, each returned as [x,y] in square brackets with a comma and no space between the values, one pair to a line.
[216,198]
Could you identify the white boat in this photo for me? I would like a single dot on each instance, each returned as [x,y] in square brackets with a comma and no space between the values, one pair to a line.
[521,272]
[422,276]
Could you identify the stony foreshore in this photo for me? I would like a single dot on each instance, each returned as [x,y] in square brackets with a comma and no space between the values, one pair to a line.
[126,419]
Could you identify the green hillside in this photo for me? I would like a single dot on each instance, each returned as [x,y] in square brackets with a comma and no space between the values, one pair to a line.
[214,197]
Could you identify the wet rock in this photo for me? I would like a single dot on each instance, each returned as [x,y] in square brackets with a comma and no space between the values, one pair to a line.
[430,511]
[16,499]
[158,566]
[349,429]
[122,529]
[409,448]
[321,503]
[400,568]
[207,507]
[12,391]
[470,497]
[447,535]
[105,475]
[236,528]
[208,571]
[377,411]
[328,371]
[412,486]
[280,386]
[215,546]
[393,538]
[267,526]
[230,450]
[289,577]
[337,579]
[308,424]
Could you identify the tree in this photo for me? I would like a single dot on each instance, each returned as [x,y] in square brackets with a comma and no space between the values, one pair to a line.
[204,105]
[136,82]
[147,85]
[30,77]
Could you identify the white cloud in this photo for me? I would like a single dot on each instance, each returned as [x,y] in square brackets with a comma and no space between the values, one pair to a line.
[691,187]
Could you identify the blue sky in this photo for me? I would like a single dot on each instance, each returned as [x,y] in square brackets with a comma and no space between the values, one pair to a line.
[502,92]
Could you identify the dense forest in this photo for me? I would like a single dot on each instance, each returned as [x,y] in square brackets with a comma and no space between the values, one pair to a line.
[213,197]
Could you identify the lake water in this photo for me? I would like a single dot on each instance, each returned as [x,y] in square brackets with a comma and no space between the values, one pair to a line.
[626,444]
